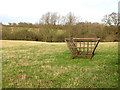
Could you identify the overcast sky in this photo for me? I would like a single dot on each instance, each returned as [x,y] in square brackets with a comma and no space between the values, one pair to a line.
[32,10]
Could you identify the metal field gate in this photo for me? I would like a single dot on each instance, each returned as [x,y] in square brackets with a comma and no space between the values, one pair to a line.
[82,47]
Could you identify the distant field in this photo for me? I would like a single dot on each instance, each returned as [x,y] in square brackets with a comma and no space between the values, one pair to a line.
[30,64]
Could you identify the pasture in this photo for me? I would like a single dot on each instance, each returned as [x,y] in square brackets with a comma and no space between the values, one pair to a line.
[31,64]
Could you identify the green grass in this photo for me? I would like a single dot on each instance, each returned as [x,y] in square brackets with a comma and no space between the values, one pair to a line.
[50,65]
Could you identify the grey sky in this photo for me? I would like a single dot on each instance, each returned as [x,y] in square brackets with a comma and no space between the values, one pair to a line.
[32,10]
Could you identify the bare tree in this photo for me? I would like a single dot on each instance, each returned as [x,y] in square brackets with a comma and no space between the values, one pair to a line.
[45,18]
[54,18]
[71,19]
[111,19]
[50,18]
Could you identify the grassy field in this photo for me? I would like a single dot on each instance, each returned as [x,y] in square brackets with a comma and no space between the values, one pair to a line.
[30,64]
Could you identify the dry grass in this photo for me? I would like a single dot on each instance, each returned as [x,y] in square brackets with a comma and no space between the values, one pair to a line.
[30,64]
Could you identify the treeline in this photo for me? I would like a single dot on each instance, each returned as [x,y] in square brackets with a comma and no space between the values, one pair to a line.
[55,28]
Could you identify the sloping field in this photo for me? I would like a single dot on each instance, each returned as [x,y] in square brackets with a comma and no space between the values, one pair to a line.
[30,64]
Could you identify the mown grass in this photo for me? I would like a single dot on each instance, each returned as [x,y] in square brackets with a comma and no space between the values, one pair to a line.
[49,65]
